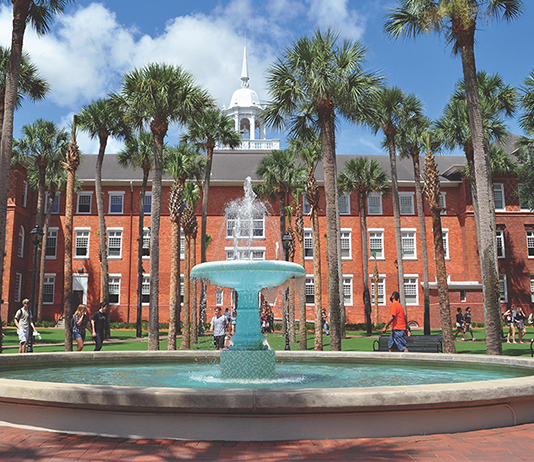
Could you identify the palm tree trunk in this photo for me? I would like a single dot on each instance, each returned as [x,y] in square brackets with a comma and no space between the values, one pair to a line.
[390,136]
[303,343]
[205,193]
[67,271]
[140,271]
[365,263]
[422,237]
[103,252]
[193,284]
[282,205]
[317,278]
[42,262]
[486,235]
[186,331]
[291,308]
[174,283]
[375,281]
[39,222]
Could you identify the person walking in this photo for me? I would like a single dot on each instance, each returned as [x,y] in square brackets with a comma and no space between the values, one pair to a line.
[520,317]
[23,321]
[218,325]
[79,324]
[399,325]
[459,324]
[509,318]
[467,323]
[324,322]
[98,324]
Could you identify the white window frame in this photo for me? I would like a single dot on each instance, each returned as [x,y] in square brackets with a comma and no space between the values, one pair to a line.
[55,204]
[375,209]
[498,189]
[503,285]
[146,240]
[532,288]
[381,283]
[113,194]
[415,284]
[445,235]
[18,287]
[530,242]
[443,203]
[309,282]
[110,282]
[347,283]
[346,239]
[409,231]
[219,297]
[255,222]
[229,251]
[24,194]
[82,230]
[182,244]
[145,284]
[306,207]
[110,231]
[148,194]
[21,241]
[182,289]
[412,208]
[52,238]
[84,194]
[499,234]
[376,231]
[49,280]
[344,204]
[308,237]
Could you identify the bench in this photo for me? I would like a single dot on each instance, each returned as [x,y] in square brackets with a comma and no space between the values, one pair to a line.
[415,343]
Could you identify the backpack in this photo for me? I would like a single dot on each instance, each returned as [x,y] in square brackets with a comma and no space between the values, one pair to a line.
[72,323]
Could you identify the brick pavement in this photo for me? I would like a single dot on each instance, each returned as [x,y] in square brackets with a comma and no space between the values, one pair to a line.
[500,444]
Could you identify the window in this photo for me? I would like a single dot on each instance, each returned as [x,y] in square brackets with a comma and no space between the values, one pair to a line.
[182,289]
[148,203]
[306,207]
[345,245]
[308,244]
[51,243]
[443,203]
[114,284]
[381,289]
[410,290]
[48,288]
[18,287]
[344,204]
[246,229]
[522,206]
[376,244]
[55,205]
[347,290]
[500,243]
[114,243]
[503,288]
[24,198]
[116,202]
[463,295]
[530,243]
[81,244]
[182,245]
[445,234]
[374,203]
[219,297]
[406,203]
[20,243]
[84,202]
[498,196]
[145,289]
[310,291]
[146,243]
[408,245]
[249,253]
[532,288]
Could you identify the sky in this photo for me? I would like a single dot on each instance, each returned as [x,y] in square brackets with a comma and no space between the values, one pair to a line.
[92,44]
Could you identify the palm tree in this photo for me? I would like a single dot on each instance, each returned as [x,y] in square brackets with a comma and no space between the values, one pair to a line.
[410,142]
[392,108]
[39,14]
[321,77]
[365,176]
[526,144]
[159,94]
[290,256]
[299,233]
[138,153]
[102,118]
[182,162]
[458,20]
[71,165]
[432,192]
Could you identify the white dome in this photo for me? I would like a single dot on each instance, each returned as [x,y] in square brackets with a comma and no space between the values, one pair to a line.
[244,97]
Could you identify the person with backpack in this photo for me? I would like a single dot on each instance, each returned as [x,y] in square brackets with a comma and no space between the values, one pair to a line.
[79,325]
[98,323]
[23,321]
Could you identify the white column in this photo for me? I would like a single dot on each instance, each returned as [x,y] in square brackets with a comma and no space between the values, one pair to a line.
[252,120]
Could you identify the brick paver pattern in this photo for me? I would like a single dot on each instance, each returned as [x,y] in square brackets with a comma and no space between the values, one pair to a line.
[499,444]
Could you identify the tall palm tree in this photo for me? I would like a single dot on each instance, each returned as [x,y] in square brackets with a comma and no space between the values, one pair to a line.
[158,95]
[102,118]
[71,164]
[364,176]
[325,78]
[138,153]
[182,162]
[458,21]
[410,140]
[299,233]
[39,14]
[392,108]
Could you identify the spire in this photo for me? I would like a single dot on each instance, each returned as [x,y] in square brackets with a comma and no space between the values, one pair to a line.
[244,70]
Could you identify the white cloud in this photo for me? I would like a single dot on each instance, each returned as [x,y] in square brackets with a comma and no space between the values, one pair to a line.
[337,15]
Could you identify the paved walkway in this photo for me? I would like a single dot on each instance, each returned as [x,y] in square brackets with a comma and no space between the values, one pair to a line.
[501,444]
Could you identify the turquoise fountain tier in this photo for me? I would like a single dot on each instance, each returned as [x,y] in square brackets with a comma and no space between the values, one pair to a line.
[248,356]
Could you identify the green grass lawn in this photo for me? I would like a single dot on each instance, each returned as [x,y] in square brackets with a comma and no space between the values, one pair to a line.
[124,340]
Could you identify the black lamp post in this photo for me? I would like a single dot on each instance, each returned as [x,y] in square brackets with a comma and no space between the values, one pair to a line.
[287,240]
[36,237]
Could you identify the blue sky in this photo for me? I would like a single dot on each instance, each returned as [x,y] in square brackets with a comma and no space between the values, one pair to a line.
[94,43]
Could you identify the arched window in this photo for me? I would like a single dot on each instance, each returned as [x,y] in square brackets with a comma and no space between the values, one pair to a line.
[20,251]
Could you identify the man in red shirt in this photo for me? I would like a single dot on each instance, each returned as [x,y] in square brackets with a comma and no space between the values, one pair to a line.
[398,324]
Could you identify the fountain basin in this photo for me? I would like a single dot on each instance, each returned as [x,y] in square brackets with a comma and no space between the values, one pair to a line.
[264,414]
